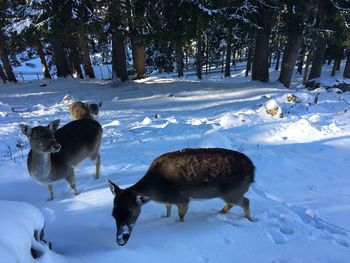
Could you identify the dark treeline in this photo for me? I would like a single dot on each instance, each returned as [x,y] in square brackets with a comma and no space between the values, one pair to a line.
[171,35]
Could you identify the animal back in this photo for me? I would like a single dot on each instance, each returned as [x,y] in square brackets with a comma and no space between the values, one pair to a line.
[78,140]
[204,167]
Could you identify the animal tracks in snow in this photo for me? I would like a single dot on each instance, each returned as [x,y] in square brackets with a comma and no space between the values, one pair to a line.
[285,221]
[278,228]
[320,228]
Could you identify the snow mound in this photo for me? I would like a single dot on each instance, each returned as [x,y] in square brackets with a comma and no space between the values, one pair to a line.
[5,109]
[21,224]
[214,139]
[146,121]
[273,108]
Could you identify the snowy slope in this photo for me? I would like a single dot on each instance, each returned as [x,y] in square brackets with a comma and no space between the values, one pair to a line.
[300,200]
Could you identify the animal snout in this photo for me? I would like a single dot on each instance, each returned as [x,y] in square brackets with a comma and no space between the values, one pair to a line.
[122,240]
[123,234]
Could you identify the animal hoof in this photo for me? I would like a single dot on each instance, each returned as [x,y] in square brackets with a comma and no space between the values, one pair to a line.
[251,219]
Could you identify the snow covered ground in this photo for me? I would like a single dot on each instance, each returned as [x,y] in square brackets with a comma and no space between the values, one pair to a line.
[299,202]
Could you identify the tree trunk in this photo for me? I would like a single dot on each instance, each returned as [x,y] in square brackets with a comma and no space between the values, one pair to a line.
[84,47]
[346,73]
[270,59]
[321,46]
[61,63]
[249,61]
[137,41]
[338,64]
[138,48]
[260,60]
[222,62]
[307,64]
[207,66]
[6,62]
[179,59]
[261,54]
[301,59]
[75,58]
[228,51]
[41,54]
[234,50]
[290,58]
[93,45]
[119,68]
[278,58]
[334,68]
[317,61]
[199,56]
[2,74]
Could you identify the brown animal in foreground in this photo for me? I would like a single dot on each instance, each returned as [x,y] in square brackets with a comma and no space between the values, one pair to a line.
[176,177]
[80,110]
[54,152]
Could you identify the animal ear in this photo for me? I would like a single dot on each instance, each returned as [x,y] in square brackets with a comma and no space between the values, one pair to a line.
[141,199]
[53,126]
[100,104]
[26,129]
[114,188]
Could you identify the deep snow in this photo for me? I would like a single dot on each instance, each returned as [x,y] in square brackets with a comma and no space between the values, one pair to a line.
[300,200]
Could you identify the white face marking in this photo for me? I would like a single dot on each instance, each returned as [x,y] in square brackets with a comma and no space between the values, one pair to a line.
[94,116]
[123,231]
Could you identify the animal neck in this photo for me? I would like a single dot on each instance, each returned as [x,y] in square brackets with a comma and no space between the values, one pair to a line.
[143,186]
[39,164]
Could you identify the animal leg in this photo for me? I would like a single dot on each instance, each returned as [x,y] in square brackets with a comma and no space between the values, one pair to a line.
[96,157]
[98,164]
[168,210]
[244,203]
[71,181]
[50,186]
[182,209]
[226,208]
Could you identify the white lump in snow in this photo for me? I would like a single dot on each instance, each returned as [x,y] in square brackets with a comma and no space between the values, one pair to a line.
[146,121]
[214,139]
[5,109]
[305,98]
[273,108]
[20,226]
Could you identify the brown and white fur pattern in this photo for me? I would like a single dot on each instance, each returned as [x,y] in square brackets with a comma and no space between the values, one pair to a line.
[54,152]
[81,110]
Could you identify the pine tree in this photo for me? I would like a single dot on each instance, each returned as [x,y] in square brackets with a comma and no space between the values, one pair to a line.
[136,12]
[294,17]
[117,18]
[265,19]
[5,21]
[84,21]
[326,10]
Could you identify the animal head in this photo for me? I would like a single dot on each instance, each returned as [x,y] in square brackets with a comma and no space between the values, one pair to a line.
[41,138]
[126,209]
[94,109]
[81,110]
